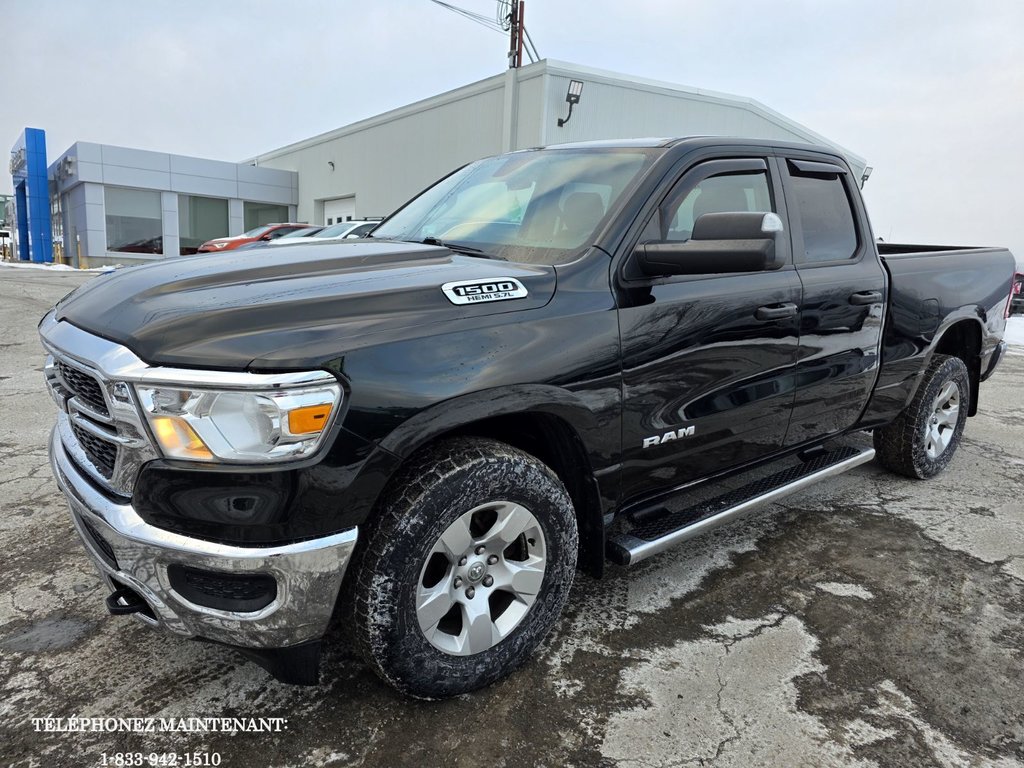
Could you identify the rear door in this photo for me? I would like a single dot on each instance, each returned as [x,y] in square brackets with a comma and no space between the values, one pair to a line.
[844,297]
[707,378]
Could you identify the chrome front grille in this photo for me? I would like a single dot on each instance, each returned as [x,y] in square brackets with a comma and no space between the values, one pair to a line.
[83,386]
[102,453]
[98,423]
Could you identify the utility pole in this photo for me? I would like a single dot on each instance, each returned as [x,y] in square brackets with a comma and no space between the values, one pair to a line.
[515,25]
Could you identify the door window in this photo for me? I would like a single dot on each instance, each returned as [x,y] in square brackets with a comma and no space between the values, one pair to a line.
[724,193]
[825,217]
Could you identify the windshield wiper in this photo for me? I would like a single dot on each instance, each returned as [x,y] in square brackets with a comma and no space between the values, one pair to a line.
[458,247]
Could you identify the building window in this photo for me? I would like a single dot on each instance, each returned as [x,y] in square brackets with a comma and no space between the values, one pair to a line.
[257,214]
[56,224]
[200,219]
[133,220]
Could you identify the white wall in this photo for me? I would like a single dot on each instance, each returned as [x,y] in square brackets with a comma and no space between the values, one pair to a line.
[385,160]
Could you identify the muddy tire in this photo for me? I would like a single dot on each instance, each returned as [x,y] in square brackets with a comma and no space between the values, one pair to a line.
[466,566]
[921,442]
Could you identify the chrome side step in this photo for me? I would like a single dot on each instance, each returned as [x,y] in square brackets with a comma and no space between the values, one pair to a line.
[654,536]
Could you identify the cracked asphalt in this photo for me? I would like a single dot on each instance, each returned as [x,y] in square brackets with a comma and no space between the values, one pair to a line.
[869,621]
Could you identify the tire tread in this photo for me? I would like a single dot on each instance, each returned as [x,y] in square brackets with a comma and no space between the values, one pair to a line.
[897,444]
[424,472]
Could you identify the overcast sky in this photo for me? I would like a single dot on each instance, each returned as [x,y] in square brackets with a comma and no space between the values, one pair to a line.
[930,92]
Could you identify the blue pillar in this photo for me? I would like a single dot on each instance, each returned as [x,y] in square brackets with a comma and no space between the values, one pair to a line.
[28,167]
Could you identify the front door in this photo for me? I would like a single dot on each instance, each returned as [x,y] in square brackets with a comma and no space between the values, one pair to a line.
[707,373]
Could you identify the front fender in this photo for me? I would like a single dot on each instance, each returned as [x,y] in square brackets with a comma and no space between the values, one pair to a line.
[458,412]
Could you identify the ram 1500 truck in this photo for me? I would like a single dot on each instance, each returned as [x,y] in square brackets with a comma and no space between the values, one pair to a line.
[423,433]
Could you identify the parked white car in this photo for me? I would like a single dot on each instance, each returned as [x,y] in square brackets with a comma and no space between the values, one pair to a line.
[346,229]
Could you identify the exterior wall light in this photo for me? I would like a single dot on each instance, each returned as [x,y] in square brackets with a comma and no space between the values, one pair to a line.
[572,97]
[330,164]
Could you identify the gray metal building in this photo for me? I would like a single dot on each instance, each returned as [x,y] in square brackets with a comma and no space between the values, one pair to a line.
[113,205]
[371,167]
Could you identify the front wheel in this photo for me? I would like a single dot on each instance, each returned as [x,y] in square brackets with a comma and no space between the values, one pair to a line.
[466,568]
[921,442]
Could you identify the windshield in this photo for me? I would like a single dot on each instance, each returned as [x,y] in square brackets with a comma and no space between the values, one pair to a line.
[256,232]
[337,229]
[540,207]
[304,232]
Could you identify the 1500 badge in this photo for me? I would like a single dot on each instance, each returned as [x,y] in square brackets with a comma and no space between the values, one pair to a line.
[476,291]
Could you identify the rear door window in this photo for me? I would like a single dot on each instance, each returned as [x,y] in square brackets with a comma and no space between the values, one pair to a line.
[824,215]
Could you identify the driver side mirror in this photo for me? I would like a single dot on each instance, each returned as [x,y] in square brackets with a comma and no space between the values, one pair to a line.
[721,243]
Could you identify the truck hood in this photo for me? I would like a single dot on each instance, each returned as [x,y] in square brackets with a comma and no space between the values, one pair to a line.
[286,308]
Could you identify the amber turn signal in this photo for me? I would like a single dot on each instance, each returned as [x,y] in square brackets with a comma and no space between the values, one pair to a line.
[178,439]
[308,420]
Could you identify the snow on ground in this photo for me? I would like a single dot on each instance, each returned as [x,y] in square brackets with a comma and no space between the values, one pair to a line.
[52,267]
[1015,331]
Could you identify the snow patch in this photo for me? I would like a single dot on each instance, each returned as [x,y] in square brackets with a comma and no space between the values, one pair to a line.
[1014,331]
[845,590]
[54,267]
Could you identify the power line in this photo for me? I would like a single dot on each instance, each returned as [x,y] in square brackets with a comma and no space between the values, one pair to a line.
[479,18]
[502,22]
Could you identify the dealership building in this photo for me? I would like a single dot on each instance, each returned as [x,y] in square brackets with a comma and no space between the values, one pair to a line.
[100,204]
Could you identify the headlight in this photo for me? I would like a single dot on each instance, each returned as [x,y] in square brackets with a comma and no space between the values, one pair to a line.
[239,426]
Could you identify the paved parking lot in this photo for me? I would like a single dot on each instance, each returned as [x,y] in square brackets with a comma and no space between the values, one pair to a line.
[872,620]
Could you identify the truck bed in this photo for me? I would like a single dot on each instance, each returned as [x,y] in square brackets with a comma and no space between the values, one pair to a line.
[955,277]
[933,287]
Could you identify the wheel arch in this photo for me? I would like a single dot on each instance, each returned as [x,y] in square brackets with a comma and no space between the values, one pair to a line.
[962,338]
[547,422]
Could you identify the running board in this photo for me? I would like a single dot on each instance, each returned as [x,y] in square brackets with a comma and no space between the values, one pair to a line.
[654,536]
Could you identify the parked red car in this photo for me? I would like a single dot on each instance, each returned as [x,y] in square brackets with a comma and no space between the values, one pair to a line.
[1016,305]
[266,232]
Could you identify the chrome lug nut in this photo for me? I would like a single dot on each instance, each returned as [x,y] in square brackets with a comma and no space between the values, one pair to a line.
[458,582]
[462,560]
[492,559]
[470,592]
[480,549]
[488,581]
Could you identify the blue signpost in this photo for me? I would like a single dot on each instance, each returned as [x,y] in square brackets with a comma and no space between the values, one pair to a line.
[32,197]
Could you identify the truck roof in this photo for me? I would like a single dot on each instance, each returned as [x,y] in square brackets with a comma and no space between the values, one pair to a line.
[692,141]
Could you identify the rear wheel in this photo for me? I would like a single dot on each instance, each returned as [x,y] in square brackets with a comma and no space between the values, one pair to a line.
[921,442]
[465,569]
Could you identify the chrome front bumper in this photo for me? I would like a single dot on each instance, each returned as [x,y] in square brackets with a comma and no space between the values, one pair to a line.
[308,573]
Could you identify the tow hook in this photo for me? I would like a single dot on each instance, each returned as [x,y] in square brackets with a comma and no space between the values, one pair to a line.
[133,602]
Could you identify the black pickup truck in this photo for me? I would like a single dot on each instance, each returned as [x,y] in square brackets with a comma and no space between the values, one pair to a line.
[422,434]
